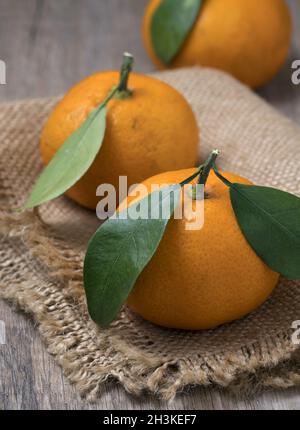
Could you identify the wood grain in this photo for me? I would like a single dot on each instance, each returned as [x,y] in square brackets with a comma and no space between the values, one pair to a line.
[48,45]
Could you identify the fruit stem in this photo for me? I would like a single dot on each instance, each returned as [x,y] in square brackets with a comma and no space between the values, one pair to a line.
[121,91]
[207,166]
[124,74]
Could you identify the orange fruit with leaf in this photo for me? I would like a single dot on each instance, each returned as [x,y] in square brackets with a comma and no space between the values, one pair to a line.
[249,39]
[108,126]
[199,279]
[193,278]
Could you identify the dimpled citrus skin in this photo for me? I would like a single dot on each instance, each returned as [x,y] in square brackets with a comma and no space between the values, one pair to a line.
[249,39]
[199,279]
[151,131]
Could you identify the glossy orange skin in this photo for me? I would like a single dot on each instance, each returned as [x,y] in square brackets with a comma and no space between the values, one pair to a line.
[199,279]
[149,132]
[249,39]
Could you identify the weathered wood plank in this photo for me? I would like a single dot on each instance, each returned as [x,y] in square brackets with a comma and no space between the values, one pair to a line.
[281,93]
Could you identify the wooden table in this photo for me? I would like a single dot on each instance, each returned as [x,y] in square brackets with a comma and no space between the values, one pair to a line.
[49,45]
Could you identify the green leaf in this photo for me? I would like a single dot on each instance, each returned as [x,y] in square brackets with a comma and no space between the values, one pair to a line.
[171,23]
[270,221]
[121,248]
[72,159]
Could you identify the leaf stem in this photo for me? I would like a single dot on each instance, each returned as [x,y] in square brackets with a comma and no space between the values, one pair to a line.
[190,178]
[221,177]
[207,166]
[110,95]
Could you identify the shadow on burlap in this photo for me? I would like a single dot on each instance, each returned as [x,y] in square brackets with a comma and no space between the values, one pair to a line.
[41,257]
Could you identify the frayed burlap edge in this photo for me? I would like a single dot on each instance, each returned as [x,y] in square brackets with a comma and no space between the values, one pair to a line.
[261,365]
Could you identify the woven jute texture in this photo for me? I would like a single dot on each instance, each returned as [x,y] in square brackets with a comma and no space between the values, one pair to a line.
[41,257]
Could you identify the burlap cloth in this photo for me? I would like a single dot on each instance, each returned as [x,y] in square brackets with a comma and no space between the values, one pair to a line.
[41,258]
